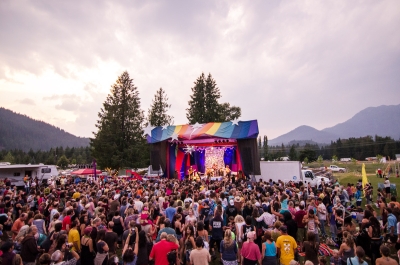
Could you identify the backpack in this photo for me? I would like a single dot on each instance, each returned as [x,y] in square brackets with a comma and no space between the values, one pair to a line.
[171,257]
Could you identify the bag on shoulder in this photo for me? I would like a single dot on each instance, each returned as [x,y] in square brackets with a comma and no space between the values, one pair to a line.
[171,256]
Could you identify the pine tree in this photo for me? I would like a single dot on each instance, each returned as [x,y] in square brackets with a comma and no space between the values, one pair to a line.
[293,153]
[157,115]
[265,147]
[211,97]
[204,106]
[119,141]
[196,111]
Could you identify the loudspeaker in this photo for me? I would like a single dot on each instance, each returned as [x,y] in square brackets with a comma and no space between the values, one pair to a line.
[247,160]
[155,160]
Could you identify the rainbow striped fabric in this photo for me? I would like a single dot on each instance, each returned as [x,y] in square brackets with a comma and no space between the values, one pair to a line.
[226,130]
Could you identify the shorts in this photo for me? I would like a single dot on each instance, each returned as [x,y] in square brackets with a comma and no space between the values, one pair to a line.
[301,234]
[387,190]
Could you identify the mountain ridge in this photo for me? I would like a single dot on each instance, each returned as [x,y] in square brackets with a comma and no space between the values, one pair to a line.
[371,121]
[19,131]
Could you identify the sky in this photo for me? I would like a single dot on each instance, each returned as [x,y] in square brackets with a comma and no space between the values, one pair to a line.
[285,63]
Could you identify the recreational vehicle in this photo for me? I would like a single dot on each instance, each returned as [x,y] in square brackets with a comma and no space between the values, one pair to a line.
[16,173]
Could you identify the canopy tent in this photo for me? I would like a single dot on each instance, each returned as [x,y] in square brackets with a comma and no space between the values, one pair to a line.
[86,171]
[175,148]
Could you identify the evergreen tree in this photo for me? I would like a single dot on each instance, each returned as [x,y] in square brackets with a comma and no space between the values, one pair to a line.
[211,97]
[265,147]
[157,115]
[204,106]
[119,141]
[196,111]
[293,153]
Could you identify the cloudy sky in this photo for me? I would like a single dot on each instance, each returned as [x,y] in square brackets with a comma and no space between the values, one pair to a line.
[285,63]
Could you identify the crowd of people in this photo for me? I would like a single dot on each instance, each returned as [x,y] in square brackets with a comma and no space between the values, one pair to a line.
[170,221]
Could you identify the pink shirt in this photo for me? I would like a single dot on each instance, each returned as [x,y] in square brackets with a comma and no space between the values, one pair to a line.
[251,251]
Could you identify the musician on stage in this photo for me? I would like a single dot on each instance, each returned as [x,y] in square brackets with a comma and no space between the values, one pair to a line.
[191,172]
[215,169]
[227,171]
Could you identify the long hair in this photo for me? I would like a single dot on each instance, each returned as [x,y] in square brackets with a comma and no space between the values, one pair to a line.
[376,226]
[228,241]
[311,239]
[191,228]
[348,239]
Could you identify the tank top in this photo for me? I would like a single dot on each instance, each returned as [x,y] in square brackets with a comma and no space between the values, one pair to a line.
[178,231]
[347,254]
[311,226]
[270,249]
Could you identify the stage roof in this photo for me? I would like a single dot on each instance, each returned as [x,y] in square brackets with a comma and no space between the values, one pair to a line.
[226,130]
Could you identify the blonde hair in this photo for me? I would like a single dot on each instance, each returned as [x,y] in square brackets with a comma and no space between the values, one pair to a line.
[277,224]
[239,219]
[228,240]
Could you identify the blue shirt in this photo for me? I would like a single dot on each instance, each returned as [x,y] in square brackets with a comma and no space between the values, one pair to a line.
[228,254]
[392,222]
[170,212]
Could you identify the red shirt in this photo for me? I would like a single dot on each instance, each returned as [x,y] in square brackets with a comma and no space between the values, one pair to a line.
[66,221]
[160,250]
[298,217]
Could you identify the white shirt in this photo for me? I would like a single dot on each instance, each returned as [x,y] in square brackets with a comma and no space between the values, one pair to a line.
[268,218]
[321,212]
[139,206]
[387,183]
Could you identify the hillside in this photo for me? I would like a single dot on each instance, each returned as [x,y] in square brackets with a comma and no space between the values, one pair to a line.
[304,133]
[371,121]
[21,132]
[382,121]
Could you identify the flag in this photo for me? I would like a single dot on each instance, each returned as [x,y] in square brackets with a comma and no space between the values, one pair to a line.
[364,176]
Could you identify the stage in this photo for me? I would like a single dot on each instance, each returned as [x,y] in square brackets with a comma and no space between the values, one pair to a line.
[212,149]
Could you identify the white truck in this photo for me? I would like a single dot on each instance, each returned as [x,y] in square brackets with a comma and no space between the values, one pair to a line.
[335,168]
[16,173]
[288,171]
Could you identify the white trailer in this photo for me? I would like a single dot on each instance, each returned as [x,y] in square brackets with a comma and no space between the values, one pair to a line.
[16,173]
[288,171]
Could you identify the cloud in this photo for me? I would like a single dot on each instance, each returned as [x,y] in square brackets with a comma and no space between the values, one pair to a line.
[27,101]
[285,63]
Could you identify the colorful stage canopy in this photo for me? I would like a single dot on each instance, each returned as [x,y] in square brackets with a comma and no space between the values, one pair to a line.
[228,130]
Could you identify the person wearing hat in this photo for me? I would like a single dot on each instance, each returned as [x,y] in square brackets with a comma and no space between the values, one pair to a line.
[250,251]
[286,247]
[231,210]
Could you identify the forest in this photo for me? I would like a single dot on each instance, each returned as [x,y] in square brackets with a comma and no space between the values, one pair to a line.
[356,148]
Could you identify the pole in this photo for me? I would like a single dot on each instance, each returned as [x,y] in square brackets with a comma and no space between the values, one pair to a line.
[94,169]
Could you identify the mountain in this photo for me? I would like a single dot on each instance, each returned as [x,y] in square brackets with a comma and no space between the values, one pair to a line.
[372,121]
[382,121]
[21,132]
[304,133]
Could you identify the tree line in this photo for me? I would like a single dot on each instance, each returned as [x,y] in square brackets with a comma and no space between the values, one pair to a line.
[356,148]
[55,156]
